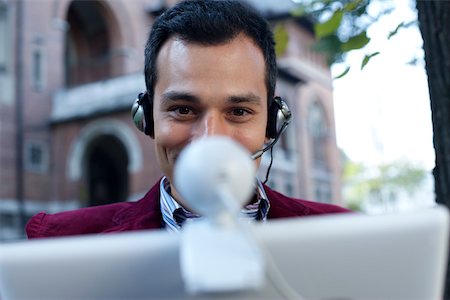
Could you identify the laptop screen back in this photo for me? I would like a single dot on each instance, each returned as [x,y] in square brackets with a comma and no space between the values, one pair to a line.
[350,256]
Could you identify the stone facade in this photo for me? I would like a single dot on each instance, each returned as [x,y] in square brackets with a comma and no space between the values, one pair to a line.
[72,70]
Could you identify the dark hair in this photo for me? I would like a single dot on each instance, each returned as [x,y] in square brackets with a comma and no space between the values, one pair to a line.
[210,22]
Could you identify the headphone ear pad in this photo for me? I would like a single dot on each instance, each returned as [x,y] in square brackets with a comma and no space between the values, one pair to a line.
[142,114]
[272,117]
[137,113]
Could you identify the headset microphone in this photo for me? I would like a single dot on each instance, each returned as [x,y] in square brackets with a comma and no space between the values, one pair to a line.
[284,115]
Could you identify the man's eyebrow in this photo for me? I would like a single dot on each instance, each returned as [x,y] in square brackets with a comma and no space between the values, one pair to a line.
[175,95]
[246,98]
[171,96]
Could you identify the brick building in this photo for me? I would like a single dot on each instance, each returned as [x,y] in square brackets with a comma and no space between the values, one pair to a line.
[69,72]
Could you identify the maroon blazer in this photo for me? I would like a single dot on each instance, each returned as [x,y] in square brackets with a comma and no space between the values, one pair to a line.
[146,214]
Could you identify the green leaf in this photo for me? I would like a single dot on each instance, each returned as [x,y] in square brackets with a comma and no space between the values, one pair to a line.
[330,46]
[367,58]
[399,26]
[281,37]
[329,43]
[330,26]
[352,5]
[343,73]
[392,33]
[361,10]
[299,11]
[356,42]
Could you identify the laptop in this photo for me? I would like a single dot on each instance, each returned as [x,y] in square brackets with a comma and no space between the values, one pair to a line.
[345,256]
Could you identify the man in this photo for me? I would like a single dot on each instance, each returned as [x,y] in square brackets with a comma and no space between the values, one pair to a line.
[210,69]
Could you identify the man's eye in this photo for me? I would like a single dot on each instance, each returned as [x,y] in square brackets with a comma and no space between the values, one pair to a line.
[239,112]
[183,110]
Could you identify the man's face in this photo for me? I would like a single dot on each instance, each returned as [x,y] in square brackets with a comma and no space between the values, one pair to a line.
[208,90]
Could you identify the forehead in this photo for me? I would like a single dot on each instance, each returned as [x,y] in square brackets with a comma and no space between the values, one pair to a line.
[236,66]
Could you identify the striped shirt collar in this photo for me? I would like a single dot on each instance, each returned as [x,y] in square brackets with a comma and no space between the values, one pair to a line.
[257,210]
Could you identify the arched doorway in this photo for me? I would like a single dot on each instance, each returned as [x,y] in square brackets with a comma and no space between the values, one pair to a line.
[88,43]
[106,169]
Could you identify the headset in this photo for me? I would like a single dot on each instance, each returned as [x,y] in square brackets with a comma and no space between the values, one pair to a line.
[279,117]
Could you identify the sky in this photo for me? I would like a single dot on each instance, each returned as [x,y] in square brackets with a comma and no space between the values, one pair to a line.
[383,112]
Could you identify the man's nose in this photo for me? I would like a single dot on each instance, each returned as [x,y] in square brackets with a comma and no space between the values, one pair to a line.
[212,124]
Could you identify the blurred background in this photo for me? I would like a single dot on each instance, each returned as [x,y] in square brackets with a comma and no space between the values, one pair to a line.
[70,70]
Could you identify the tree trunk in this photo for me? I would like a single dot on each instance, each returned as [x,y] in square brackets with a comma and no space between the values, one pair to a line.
[434,23]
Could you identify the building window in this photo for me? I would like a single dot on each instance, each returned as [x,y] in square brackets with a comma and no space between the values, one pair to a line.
[3,38]
[38,69]
[36,157]
[7,220]
[272,184]
[318,131]
[284,144]
[6,44]
[322,191]
[319,136]
[88,43]
[289,188]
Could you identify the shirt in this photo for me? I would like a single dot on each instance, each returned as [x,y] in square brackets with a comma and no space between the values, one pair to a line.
[175,214]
